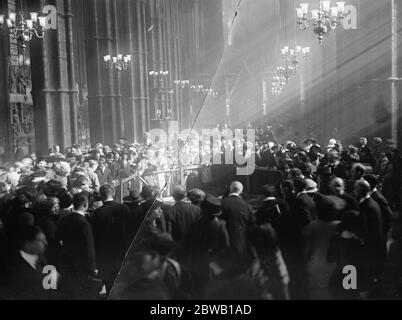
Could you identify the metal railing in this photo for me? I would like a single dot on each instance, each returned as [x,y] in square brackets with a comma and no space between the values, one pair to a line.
[161,178]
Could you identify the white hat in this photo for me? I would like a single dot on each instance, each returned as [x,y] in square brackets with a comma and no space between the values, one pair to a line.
[311,186]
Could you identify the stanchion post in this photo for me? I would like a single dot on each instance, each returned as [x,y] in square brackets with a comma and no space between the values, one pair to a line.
[182,176]
[121,192]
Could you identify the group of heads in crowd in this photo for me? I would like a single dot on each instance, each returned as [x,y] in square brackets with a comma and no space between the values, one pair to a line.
[57,186]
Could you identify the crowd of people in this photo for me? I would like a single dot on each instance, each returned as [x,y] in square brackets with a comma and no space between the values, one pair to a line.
[328,207]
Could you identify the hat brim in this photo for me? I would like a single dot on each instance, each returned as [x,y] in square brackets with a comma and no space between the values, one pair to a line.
[216,214]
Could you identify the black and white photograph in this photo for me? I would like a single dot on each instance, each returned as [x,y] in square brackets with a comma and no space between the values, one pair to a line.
[200,155]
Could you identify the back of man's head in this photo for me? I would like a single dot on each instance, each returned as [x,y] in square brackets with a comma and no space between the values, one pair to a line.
[147,192]
[269,190]
[300,185]
[361,188]
[80,200]
[372,180]
[179,193]
[106,192]
[27,235]
[236,187]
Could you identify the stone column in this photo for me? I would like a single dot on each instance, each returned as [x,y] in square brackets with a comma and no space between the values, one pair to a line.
[52,78]
[95,66]
[71,72]
[143,67]
[110,108]
[4,100]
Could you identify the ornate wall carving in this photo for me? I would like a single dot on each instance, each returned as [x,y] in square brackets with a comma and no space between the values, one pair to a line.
[82,117]
[21,116]
[22,126]
[20,79]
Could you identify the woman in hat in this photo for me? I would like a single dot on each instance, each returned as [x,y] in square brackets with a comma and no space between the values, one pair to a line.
[319,232]
[153,223]
[206,238]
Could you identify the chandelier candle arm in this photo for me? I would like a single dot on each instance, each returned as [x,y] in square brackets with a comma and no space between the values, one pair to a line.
[12,16]
[326,5]
[121,62]
[322,19]
[341,7]
[23,29]
[34,16]
[304,8]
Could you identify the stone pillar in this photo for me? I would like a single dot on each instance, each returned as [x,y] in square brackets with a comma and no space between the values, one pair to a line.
[52,82]
[120,48]
[105,110]
[394,71]
[143,66]
[95,66]
[135,78]
[71,72]
[4,99]
[110,108]
[153,47]
[161,97]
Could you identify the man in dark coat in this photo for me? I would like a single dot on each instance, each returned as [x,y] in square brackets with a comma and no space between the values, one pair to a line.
[26,279]
[103,172]
[4,247]
[181,216]
[386,211]
[304,203]
[109,227]
[78,262]
[136,216]
[373,231]
[132,201]
[208,235]
[337,187]
[5,198]
[293,225]
[206,238]
[18,216]
[272,207]
[238,216]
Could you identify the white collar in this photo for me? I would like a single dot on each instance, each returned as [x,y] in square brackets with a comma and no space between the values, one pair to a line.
[269,198]
[364,199]
[373,191]
[300,193]
[234,194]
[347,235]
[31,259]
[82,213]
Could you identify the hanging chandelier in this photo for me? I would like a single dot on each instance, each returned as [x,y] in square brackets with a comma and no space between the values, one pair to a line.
[22,29]
[182,83]
[119,63]
[290,61]
[323,19]
[200,89]
[277,85]
[296,55]
[157,74]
